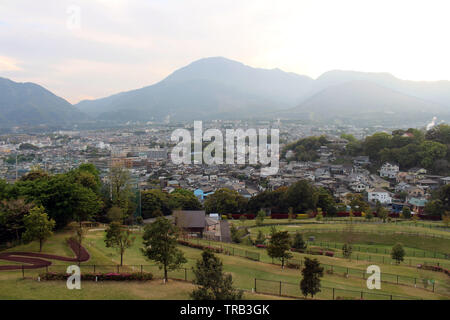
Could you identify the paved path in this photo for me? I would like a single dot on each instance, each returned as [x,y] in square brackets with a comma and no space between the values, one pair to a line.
[34,260]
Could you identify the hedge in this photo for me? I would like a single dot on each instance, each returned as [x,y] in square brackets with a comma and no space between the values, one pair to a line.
[136,276]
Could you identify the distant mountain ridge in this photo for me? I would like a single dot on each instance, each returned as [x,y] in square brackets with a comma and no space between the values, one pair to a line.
[219,88]
[30,104]
[207,88]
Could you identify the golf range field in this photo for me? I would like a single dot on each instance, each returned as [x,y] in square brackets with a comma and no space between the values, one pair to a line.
[251,268]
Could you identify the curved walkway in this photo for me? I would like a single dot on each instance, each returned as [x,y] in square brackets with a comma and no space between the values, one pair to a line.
[34,260]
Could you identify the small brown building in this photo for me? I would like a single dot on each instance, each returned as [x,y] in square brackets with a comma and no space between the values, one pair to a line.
[191,221]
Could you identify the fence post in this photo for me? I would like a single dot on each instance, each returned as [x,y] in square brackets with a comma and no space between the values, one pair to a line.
[94,268]
[185,274]
[255,284]
[433,286]
[23,272]
[362,295]
[333,293]
[397,279]
[46,268]
[280,288]
[142,269]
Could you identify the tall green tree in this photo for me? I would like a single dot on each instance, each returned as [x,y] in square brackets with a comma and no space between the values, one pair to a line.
[160,241]
[406,212]
[38,226]
[260,216]
[298,242]
[398,253]
[279,246]
[212,282]
[225,201]
[119,237]
[312,272]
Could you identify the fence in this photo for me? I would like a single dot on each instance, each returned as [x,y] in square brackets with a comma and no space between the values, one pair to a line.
[426,284]
[289,289]
[381,233]
[185,274]
[367,249]
[233,251]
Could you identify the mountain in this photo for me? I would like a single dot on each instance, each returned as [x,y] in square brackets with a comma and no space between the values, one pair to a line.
[435,91]
[364,100]
[219,88]
[214,88]
[205,89]
[31,104]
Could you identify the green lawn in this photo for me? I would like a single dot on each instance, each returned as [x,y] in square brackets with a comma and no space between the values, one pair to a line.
[244,272]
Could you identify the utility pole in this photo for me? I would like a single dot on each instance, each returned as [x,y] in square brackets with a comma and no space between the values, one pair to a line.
[16,169]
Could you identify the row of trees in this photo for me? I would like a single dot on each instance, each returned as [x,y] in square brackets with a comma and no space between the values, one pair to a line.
[157,203]
[75,195]
[409,148]
[301,196]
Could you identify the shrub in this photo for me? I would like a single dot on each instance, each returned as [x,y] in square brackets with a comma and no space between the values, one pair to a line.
[329,254]
[199,246]
[292,265]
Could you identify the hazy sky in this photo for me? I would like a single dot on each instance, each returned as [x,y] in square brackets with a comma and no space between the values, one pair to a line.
[93,48]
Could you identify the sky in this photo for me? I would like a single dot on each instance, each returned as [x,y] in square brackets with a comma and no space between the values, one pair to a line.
[86,49]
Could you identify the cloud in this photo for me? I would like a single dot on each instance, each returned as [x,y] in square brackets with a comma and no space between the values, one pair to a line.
[9,64]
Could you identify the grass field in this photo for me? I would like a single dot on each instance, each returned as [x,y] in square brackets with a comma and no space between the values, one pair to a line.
[244,271]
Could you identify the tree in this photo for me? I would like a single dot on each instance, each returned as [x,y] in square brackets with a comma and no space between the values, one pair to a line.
[184,200]
[301,196]
[260,238]
[290,214]
[12,213]
[406,212]
[369,215]
[347,251]
[118,237]
[213,283]
[115,214]
[312,272]
[156,203]
[446,218]
[243,219]
[260,216]
[235,235]
[279,246]
[382,213]
[122,194]
[298,242]
[160,241]
[357,203]
[434,208]
[398,253]
[225,201]
[38,226]
[319,216]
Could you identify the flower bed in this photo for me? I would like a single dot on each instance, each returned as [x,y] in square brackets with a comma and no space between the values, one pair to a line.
[136,276]
[434,268]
